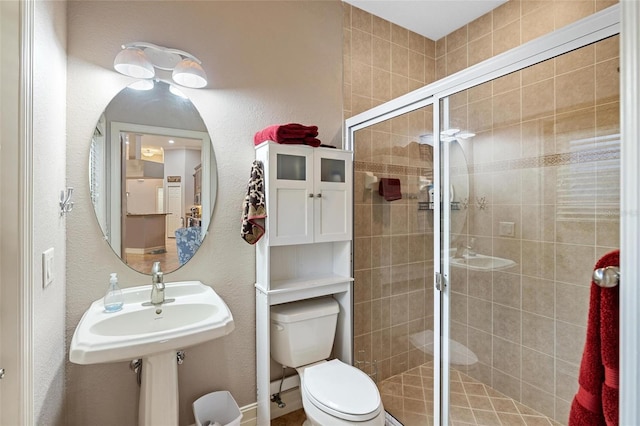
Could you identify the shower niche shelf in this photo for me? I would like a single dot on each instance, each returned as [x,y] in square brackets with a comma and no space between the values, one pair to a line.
[306,249]
[426,205]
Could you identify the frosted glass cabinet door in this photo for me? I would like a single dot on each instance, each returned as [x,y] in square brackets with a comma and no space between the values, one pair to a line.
[333,173]
[290,203]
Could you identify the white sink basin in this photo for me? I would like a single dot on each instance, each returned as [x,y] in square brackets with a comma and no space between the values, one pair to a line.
[196,315]
[480,262]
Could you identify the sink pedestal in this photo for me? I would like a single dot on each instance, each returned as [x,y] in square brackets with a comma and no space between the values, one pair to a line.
[159,390]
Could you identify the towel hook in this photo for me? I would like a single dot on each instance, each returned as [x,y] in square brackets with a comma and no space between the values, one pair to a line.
[607,277]
[66,204]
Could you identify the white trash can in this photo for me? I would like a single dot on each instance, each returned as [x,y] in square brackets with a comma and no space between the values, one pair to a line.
[217,408]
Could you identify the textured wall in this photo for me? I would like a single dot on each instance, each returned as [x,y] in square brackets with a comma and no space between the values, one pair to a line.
[49,163]
[267,62]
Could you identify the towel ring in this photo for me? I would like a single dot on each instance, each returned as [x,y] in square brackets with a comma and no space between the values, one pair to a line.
[607,277]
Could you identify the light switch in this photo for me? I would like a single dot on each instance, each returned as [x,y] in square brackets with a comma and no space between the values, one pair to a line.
[47,267]
[507,229]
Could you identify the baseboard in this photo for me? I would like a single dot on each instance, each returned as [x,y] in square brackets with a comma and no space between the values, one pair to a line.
[291,398]
[249,415]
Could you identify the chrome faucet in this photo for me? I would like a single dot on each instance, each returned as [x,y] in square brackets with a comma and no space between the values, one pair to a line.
[465,250]
[470,249]
[157,285]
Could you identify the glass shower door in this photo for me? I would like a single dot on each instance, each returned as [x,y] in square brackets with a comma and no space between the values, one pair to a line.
[530,200]
[394,262]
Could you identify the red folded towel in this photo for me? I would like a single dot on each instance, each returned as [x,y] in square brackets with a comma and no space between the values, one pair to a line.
[314,142]
[292,133]
[596,402]
[390,189]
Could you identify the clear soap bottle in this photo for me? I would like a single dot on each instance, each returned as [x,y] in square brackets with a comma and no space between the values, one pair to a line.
[114,299]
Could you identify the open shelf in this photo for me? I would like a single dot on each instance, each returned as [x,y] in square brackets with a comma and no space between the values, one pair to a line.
[289,290]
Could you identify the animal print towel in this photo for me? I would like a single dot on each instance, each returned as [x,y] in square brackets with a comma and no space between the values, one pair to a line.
[254,208]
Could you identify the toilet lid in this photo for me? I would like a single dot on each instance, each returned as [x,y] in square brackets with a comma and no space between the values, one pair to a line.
[342,391]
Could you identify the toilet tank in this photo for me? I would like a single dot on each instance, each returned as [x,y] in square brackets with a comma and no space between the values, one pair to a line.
[303,332]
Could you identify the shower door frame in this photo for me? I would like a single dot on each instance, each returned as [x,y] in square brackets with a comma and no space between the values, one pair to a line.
[591,29]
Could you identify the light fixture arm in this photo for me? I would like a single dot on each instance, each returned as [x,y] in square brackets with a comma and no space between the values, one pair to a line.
[163,49]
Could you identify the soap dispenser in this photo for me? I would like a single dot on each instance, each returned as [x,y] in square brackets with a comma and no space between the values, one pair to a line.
[114,299]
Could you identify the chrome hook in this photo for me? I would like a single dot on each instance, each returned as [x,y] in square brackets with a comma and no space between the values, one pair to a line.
[66,205]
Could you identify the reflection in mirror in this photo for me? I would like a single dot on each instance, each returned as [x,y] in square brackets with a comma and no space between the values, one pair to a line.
[152,177]
[459,186]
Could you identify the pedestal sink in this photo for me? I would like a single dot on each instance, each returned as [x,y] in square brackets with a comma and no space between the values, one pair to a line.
[480,262]
[193,313]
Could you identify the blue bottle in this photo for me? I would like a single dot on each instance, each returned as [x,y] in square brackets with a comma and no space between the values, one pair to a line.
[114,299]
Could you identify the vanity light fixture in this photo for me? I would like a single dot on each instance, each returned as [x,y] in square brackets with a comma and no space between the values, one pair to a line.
[452,134]
[142,59]
[465,135]
[449,132]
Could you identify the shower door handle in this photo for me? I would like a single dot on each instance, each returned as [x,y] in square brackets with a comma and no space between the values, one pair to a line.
[441,281]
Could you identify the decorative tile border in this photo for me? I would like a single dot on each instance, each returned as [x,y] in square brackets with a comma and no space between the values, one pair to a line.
[551,160]
[391,169]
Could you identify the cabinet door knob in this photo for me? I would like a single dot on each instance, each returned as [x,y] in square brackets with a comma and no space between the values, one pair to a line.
[310,195]
[318,195]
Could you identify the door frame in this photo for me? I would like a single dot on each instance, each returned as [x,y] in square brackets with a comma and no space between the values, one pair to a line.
[589,30]
[629,216]
[16,214]
[114,192]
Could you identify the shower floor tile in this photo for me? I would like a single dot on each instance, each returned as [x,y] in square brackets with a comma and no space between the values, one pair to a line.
[408,397]
[471,402]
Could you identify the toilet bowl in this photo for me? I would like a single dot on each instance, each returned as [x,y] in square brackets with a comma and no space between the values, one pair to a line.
[333,393]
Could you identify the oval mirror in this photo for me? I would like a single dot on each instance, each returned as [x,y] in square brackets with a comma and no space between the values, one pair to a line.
[152,177]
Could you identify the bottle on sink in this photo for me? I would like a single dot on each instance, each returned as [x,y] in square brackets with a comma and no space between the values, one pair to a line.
[114,299]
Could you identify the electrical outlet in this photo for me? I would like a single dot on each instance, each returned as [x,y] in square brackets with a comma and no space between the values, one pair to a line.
[507,229]
[47,267]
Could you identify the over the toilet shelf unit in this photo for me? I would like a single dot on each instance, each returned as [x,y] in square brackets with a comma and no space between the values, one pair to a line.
[306,250]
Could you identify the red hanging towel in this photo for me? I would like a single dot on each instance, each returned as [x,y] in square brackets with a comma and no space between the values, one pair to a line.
[390,189]
[596,402]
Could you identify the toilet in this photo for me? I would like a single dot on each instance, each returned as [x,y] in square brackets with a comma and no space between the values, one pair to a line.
[333,393]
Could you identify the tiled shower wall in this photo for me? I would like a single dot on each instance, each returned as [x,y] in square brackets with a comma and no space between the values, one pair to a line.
[383,61]
[393,240]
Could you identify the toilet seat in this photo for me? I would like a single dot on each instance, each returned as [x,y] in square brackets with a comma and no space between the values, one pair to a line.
[342,391]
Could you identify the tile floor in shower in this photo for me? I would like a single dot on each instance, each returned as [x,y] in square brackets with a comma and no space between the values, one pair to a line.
[408,396]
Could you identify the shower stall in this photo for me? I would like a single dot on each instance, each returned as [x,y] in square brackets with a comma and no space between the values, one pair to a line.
[471,291]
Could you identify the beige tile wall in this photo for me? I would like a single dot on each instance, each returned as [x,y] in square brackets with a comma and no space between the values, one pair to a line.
[526,325]
[546,157]
[510,25]
[393,240]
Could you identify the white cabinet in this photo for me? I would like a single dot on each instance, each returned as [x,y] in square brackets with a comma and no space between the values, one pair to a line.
[306,250]
[308,192]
